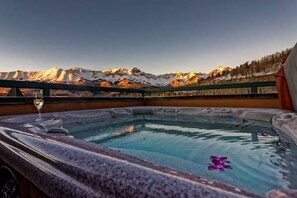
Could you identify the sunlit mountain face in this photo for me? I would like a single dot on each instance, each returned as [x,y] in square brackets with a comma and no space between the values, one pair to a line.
[118,77]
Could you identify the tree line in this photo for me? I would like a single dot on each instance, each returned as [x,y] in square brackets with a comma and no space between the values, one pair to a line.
[265,64]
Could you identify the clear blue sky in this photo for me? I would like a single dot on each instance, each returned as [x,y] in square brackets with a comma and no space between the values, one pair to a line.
[157,36]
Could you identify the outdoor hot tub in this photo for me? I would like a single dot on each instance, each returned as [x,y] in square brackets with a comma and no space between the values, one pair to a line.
[155,152]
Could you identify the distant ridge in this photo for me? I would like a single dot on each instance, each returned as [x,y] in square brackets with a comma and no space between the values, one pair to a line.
[118,77]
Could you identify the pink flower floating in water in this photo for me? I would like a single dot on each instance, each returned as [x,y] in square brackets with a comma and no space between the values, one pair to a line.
[220,163]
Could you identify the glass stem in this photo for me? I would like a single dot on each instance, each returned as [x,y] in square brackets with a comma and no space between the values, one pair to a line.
[39,114]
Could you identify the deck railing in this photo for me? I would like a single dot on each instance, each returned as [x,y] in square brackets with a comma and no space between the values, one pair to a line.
[15,86]
[216,89]
[252,85]
[46,87]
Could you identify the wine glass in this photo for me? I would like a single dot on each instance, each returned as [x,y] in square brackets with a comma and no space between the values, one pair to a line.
[38,102]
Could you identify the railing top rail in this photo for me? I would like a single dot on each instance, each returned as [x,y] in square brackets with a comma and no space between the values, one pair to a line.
[43,85]
[217,86]
[58,86]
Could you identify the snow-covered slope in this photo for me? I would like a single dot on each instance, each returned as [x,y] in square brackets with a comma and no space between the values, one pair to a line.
[119,77]
[110,77]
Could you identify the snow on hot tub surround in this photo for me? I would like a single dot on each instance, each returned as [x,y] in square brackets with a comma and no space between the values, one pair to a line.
[287,123]
[246,113]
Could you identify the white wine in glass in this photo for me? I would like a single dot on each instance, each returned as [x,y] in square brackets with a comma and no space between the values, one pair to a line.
[38,102]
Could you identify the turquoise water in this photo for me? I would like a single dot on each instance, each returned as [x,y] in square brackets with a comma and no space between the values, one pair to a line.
[260,160]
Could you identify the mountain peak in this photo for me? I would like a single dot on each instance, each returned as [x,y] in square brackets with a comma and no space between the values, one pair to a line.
[133,70]
[53,69]
[220,70]
[179,75]
[115,70]
[76,68]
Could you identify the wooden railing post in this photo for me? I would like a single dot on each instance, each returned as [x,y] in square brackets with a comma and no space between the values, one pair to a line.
[254,89]
[46,92]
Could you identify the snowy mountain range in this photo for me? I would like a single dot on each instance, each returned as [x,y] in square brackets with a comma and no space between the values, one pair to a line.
[261,69]
[120,77]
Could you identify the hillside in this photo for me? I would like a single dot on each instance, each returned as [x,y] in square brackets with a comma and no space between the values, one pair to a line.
[251,70]
[133,77]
